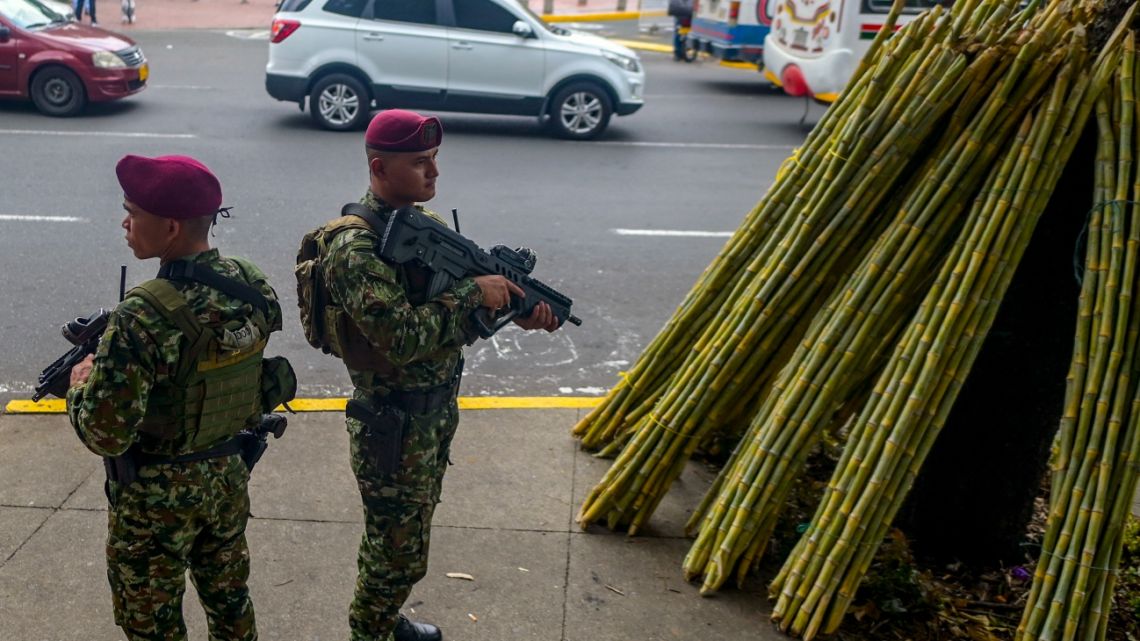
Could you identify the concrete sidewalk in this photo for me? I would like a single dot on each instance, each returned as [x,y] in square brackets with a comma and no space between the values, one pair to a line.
[258,14]
[506,519]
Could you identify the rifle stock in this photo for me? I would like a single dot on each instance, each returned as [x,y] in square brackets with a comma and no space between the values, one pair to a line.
[84,334]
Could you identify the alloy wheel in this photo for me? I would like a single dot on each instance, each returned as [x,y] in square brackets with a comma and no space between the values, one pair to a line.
[581,112]
[339,104]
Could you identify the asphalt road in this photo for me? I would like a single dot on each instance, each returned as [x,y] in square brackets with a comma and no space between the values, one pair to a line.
[697,157]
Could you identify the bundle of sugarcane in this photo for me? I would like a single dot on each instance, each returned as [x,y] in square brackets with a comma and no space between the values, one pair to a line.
[836,218]
[1097,450]
[853,335]
[920,75]
[755,291]
[899,423]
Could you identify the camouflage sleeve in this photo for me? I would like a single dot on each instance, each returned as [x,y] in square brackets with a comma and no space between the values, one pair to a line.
[375,300]
[107,410]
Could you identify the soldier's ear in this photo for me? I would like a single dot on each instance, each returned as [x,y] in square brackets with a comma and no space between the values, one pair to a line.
[376,166]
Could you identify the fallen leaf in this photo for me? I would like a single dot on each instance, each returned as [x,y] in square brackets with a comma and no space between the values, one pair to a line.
[460,575]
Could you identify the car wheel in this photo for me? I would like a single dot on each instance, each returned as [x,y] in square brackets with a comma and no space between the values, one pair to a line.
[580,111]
[57,91]
[339,102]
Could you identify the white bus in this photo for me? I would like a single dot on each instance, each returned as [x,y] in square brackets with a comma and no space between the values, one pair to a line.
[815,45]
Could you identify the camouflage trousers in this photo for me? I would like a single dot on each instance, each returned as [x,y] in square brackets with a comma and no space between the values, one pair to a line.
[397,519]
[174,518]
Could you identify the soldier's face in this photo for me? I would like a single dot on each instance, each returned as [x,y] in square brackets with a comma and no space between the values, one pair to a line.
[148,235]
[411,176]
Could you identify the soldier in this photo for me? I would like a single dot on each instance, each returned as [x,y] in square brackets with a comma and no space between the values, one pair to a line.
[177,374]
[404,355]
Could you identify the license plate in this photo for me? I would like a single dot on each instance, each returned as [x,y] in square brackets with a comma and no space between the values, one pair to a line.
[144,71]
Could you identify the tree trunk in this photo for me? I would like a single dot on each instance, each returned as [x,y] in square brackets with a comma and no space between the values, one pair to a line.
[974,496]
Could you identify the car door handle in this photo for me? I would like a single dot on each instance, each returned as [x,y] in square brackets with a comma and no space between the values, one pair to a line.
[373,36]
[466,46]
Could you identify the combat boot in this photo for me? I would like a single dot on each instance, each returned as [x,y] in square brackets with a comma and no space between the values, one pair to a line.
[407,630]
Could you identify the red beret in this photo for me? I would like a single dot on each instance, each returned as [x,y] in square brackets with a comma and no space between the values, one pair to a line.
[400,130]
[176,187]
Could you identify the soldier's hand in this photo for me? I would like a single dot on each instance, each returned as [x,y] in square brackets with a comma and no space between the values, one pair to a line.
[541,318]
[82,370]
[497,291]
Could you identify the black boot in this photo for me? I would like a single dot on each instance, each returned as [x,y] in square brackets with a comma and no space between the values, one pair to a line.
[407,630]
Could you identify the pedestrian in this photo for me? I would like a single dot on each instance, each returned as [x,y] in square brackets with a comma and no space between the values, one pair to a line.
[176,376]
[403,352]
[79,4]
[682,12]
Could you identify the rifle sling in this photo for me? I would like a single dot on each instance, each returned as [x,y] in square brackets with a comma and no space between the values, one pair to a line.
[181,270]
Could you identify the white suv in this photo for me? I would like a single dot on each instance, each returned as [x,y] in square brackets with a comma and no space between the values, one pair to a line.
[484,56]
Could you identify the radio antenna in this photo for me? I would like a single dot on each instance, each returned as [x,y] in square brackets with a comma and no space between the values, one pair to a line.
[122,282]
[455,216]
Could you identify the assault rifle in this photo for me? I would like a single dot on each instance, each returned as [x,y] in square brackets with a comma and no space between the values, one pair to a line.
[412,236]
[84,334]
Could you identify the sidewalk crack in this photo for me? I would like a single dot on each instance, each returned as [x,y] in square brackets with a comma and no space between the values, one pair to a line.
[569,536]
[28,538]
[54,511]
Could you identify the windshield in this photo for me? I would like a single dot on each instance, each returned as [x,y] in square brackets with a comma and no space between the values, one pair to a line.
[30,14]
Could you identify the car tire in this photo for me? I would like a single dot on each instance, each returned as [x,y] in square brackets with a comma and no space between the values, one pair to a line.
[57,91]
[580,111]
[340,102]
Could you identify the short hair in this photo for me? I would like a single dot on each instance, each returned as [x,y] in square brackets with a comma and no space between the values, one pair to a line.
[198,228]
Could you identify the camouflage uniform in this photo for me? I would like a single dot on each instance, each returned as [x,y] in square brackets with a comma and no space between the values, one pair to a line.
[423,341]
[177,515]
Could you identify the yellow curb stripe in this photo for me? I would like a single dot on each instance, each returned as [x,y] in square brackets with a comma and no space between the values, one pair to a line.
[59,406]
[603,16]
[644,46]
[736,64]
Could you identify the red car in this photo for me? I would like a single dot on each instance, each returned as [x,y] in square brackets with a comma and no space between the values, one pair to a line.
[62,65]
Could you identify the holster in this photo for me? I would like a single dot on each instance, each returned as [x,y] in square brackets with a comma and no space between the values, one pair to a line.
[383,442]
[121,469]
[253,441]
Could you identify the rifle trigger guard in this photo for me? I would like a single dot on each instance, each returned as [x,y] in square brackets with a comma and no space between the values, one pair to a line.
[488,326]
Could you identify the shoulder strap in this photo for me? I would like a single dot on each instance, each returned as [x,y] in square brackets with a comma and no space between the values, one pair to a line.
[186,270]
[375,221]
[171,303]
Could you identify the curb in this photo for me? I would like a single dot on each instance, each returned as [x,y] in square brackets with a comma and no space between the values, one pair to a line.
[644,46]
[59,406]
[602,16]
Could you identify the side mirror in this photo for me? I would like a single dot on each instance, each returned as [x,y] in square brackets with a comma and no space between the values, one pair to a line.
[522,29]
[5,33]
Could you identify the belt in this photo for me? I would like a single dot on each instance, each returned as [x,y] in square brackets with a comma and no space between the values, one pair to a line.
[228,448]
[423,400]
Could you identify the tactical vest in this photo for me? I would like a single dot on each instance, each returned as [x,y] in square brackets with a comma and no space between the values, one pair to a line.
[327,326]
[214,393]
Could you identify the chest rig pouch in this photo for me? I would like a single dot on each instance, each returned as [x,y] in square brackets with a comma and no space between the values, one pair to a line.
[215,391]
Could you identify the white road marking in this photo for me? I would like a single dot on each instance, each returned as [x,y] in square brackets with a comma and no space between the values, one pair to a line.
[102,134]
[679,233]
[246,34]
[43,219]
[691,145]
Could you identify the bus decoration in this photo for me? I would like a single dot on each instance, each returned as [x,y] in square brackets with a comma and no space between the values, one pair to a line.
[815,45]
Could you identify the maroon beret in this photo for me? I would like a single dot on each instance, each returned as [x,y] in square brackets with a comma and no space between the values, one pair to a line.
[400,130]
[176,187]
